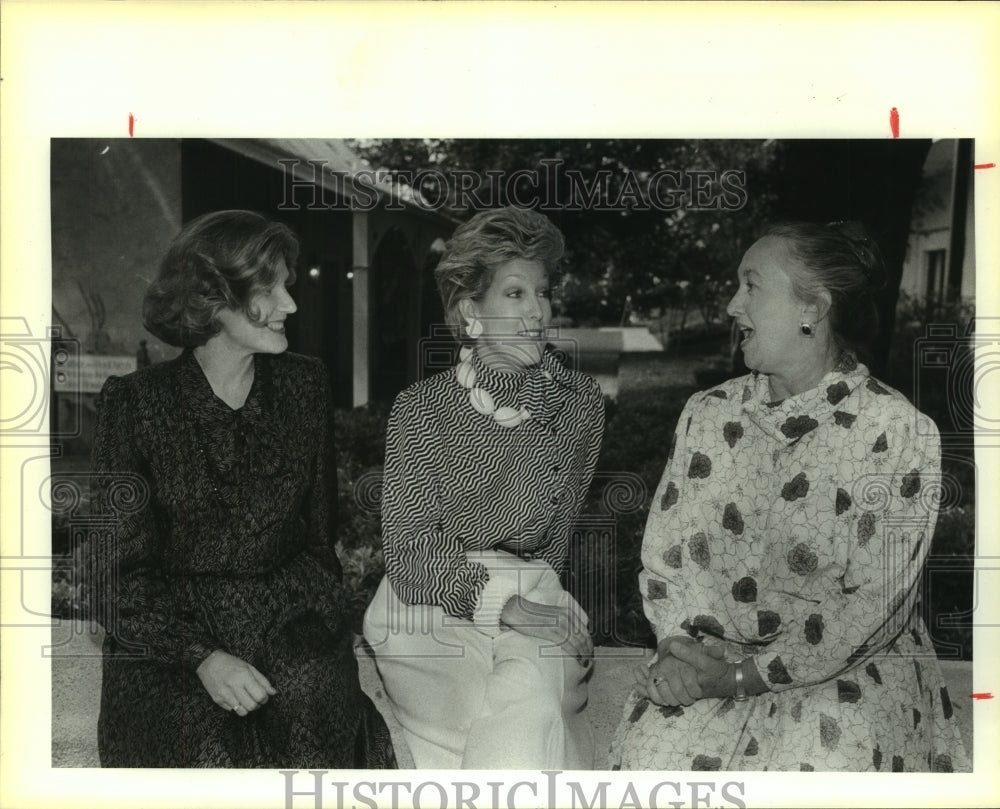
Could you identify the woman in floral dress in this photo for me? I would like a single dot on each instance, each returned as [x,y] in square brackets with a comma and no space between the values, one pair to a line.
[785,544]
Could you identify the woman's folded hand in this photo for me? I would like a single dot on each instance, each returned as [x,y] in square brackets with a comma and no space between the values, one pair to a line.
[562,626]
[684,672]
[713,674]
[668,681]
[234,684]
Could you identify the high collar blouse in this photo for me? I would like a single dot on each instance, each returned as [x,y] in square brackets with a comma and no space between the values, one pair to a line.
[793,533]
[795,529]
[457,481]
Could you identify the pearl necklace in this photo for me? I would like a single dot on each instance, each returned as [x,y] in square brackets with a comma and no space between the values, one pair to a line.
[481,399]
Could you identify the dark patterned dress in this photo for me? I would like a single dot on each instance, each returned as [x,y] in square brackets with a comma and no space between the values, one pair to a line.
[795,533]
[220,536]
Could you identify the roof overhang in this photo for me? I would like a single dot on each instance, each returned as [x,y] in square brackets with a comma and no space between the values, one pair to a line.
[332,164]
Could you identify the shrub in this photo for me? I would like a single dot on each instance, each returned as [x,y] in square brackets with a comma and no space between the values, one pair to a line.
[947,588]
[69,597]
[363,568]
[360,439]
[637,434]
[945,395]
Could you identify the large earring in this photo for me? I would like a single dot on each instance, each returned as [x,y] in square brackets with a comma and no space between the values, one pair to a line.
[807,329]
[474,328]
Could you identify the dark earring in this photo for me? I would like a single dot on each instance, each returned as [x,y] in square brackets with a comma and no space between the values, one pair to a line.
[807,329]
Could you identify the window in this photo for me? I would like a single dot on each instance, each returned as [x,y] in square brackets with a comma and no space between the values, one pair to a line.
[937,270]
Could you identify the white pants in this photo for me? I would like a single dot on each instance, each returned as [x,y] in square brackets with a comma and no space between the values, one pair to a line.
[466,700]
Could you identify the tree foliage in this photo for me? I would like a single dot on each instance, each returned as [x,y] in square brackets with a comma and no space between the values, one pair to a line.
[632,251]
[647,222]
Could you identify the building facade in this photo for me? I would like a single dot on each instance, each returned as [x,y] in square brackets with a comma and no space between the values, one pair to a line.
[940,265]
[364,285]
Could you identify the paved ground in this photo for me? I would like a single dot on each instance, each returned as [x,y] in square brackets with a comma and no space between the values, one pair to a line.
[76,687]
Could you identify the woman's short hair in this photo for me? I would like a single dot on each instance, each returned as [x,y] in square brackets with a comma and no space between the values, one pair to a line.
[484,243]
[843,260]
[218,261]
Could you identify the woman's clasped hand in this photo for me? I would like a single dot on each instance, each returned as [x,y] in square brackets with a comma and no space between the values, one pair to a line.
[561,626]
[234,684]
[684,672]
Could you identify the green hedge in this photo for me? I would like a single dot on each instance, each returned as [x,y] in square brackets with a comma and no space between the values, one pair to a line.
[944,393]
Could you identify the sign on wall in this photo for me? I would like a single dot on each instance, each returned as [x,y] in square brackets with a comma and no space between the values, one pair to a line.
[86,373]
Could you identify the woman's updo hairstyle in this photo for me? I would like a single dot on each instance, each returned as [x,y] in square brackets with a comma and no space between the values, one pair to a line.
[842,259]
[221,260]
[484,243]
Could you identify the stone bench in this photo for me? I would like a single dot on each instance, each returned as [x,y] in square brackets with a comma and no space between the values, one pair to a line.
[76,688]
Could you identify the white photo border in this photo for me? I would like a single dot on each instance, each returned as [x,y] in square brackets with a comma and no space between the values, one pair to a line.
[383,69]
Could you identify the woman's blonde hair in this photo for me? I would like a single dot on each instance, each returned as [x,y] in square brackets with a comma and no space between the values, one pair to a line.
[487,241]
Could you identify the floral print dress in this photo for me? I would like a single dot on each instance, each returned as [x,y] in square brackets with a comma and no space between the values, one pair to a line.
[794,532]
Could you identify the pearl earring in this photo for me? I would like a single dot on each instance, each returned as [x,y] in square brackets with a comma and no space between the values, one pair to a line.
[474,328]
[807,329]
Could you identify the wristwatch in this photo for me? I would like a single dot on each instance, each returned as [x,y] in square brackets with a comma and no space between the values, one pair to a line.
[741,692]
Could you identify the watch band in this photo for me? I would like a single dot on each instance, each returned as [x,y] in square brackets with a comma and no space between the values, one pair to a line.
[741,692]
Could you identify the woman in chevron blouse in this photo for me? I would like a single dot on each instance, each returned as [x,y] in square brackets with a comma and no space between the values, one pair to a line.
[482,652]
[785,543]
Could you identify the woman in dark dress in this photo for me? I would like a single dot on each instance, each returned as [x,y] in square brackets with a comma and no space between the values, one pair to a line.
[227,640]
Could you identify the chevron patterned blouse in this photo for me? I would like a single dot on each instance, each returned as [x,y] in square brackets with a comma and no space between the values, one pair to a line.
[457,481]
